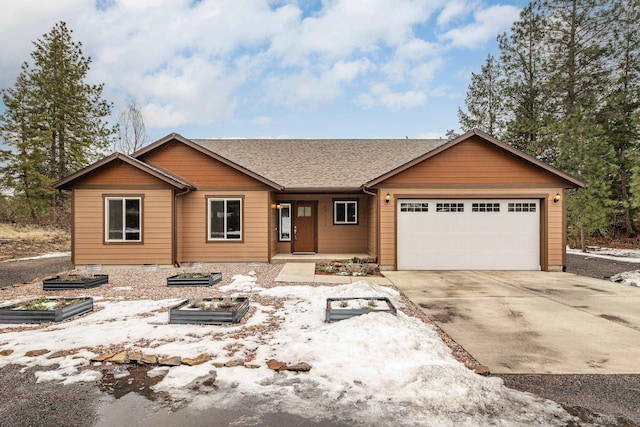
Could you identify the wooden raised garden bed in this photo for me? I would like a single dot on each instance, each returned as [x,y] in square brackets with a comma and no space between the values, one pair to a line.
[344,308]
[45,310]
[74,281]
[194,279]
[210,311]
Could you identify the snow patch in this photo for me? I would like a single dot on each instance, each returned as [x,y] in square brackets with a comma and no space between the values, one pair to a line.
[47,255]
[627,278]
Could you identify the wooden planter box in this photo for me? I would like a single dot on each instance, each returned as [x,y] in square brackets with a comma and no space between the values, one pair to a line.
[334,314]
[56,284]
[180,314]
[9,314]
[210,280]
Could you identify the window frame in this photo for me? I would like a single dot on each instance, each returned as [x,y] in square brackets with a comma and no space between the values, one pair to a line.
[124,197]
[224,199]
[346,202]
[282,205]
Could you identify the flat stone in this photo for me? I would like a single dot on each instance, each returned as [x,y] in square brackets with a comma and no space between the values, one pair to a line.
[169,361]
[196,361]
[6,352]
[149,359]
[34,353]
[135,357]
[218,364]
[102,357]
[299,367]
[276,365]
[119,358]
[59,354]
[482,370]
[251,366]
[233,363]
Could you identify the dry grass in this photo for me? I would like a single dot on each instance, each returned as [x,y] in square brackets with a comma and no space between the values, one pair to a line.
[28,240]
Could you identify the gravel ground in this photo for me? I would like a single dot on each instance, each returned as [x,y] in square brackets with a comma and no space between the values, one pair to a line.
[12,272]
[609,400]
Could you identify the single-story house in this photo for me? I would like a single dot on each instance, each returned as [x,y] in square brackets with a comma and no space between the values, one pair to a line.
[413,204]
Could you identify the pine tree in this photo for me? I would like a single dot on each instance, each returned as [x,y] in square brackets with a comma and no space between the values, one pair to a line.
[523,60]
[63,116]
[622,103]
[484,100]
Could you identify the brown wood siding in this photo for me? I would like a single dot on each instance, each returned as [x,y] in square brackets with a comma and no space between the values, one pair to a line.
[119,175]
[198,168]
[335,238]
[555,241]
[255,229]
[372,234]
[89,246]
[472,161]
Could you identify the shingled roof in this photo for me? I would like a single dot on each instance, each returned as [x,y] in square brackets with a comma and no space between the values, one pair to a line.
[308,164]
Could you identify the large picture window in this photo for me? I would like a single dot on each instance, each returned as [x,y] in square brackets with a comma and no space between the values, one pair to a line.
[284,220]
[123,219]
[345,212]
[225,219]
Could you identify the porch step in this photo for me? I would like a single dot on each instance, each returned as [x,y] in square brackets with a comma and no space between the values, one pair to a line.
[284,258]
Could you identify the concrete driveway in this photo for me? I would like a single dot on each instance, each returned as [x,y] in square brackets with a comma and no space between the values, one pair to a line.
[533,322]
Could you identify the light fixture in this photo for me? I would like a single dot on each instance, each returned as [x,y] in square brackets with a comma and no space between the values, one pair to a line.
[278,206]
[387,198]
[556,198]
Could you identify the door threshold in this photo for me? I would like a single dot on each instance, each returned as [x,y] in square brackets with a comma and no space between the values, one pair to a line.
[303,253]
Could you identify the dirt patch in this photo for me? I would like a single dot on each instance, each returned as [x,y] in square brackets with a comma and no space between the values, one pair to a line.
[614,319]
[19,241]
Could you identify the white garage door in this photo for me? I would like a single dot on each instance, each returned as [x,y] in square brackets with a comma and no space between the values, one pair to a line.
[468,234]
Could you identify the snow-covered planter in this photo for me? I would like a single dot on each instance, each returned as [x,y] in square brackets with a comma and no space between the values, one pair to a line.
[74,281]
[44,309]
[344,308]
[210,311]
[194,279]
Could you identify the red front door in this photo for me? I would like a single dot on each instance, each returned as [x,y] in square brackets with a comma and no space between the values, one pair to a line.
[304,227]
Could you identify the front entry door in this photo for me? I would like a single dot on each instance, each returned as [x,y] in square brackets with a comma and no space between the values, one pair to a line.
[304,227]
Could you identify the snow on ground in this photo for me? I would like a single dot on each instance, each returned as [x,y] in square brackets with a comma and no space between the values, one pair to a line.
[631,278]
[47,255]
[372,369]
[622,255]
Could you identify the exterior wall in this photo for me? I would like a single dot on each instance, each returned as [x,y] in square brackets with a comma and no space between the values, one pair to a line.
[88,228]
[473,161]
[334,238]
[372,232]
[119,175]
[254,246]
[476,169]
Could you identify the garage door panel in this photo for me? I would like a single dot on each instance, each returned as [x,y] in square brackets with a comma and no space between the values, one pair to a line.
[450,235]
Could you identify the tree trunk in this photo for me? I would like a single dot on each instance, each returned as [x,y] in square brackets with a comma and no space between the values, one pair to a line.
[628,222]
[583,244]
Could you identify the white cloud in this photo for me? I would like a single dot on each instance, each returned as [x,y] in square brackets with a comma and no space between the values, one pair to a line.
[382,95]
[455,9]
[487,24]
[306,88]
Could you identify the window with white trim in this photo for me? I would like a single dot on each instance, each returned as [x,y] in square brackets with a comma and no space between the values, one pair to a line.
[284,219]
[449,207]
[123,219]
[225,219]
[521,207]
[345,212]
[485,207]
[414,207]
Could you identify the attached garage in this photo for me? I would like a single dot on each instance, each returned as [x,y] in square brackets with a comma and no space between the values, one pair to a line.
[468,234]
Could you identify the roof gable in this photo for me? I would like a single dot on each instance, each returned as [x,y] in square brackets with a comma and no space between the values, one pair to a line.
[148,153]
[121,170]
[476,157]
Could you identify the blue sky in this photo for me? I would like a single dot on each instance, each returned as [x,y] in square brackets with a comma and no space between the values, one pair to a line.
[274,68]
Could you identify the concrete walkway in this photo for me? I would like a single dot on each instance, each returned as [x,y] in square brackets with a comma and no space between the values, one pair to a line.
[304,272]
[533,322]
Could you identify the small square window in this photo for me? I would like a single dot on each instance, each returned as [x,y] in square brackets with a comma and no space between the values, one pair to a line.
[345,212]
